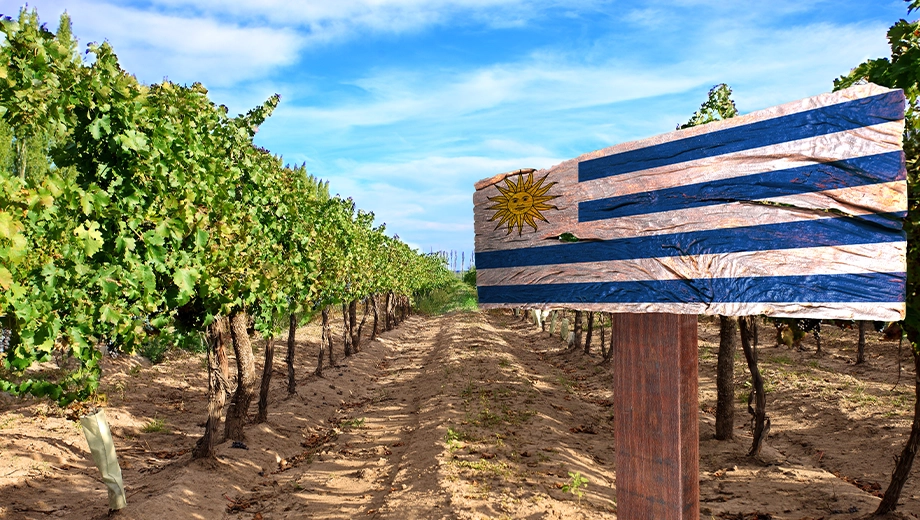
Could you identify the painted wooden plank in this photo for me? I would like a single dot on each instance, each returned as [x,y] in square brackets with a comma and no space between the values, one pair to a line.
[796,210]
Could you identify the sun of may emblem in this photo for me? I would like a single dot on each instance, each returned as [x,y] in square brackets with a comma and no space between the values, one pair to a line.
[521,202]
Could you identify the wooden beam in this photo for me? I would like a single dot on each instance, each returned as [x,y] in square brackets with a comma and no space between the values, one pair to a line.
[656,416]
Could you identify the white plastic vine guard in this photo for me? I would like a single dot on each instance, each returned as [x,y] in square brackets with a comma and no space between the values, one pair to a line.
[102,447]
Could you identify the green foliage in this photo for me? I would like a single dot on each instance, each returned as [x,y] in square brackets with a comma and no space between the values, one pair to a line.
[456,296]
[129,211]
[353,424]
[469,277]
[718,106]
[575,484]
[155,425]
[902,70]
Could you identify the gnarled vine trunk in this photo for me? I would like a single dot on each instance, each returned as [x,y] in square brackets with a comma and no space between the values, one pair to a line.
[238,412]
[387,312]
[861,343]
[324,342]
[905,460]
[330,343]
[218,388]
[262,415]
[375,300]
[725,379]
[589,333]
[353,324]
[578,328]
[291,345]
[748,328]
[361,325]
[346,333]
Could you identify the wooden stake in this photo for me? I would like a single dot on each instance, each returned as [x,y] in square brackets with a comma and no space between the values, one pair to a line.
[656,413]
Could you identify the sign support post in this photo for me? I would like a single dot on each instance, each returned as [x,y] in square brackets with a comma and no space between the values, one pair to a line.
[656,416]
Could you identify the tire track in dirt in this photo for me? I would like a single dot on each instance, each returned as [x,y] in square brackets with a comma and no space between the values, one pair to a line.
[383,449]
[465,416]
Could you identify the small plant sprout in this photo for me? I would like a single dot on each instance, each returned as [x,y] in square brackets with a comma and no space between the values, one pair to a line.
[155,425]
[353,424]
[575,485]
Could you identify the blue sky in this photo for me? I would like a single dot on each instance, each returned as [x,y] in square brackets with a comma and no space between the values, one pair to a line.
[404,104]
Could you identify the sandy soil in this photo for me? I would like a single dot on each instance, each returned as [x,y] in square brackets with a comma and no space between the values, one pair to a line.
[469,415]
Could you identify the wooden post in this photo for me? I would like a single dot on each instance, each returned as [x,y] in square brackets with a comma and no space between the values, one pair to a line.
[656,412]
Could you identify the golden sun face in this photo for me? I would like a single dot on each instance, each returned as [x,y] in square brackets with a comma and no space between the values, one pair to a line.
[521,203]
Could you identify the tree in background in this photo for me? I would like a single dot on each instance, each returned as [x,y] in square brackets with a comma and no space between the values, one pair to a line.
[719,106]
[902,70]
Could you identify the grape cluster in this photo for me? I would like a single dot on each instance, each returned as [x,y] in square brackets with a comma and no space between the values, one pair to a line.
[5,336]
[112,348]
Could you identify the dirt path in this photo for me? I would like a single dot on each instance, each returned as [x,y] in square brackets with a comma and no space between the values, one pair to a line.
[463,416]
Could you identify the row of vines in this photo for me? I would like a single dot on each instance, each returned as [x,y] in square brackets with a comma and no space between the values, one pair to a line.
[133,213]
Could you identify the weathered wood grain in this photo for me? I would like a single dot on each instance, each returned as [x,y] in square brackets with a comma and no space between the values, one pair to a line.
[655,416]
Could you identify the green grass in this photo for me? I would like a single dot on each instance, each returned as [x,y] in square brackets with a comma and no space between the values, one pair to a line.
[454,297]
[455,438]
[782,360]
[155,426]
[498,469]
[353,424]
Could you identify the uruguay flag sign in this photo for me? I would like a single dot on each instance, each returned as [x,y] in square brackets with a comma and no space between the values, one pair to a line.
[795,210]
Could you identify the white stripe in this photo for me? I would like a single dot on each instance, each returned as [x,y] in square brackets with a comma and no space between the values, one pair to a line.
[892,311]
[859,142]
[851,259]
[863,200]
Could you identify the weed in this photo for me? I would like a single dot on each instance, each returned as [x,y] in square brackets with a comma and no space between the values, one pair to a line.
[504,363]
[468,390]
[135,370]
[9,421]
[352,424]
[155,425]
[453,438]
[498,469]
[782,360]
[453,435]
[488,419]
[575,484]
[566,383]
[120,387]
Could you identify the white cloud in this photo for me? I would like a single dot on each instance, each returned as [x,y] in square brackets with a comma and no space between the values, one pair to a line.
[541,84]
[186,49]
[327,21]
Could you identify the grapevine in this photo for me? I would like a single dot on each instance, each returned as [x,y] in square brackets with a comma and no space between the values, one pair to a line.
[129,211]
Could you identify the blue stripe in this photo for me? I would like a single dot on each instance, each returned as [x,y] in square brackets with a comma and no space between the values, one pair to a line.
[860,171]
[872,229]
[811,123]
[842,288]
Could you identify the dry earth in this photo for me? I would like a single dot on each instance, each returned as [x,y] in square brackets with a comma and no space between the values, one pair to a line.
[469,415]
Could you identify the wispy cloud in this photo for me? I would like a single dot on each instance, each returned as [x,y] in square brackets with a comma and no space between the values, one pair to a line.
[156,45]
[324,22]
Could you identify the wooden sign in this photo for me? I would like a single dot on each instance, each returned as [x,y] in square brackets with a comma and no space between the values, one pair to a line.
[795,210]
